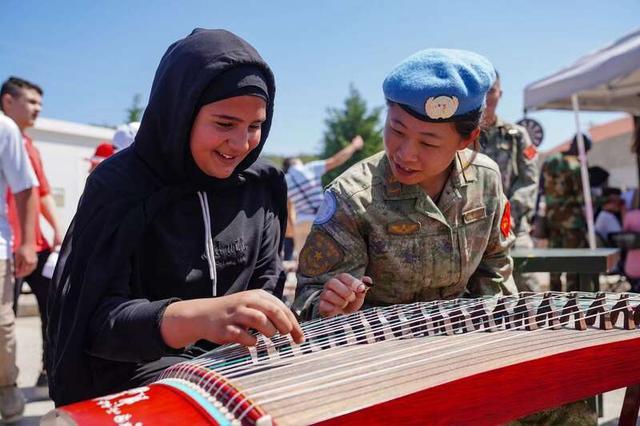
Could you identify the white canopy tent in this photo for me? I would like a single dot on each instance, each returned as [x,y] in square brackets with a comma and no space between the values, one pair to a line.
[605,80]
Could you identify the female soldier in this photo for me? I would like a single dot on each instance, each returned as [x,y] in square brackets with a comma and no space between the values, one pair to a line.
[186,213]
[425,219]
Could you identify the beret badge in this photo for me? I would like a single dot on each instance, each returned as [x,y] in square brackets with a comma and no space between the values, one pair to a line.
[441,107]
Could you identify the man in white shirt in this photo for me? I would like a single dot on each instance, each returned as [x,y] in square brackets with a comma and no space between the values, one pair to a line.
[15,172]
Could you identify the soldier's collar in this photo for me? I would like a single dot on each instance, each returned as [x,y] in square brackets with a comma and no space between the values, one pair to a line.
[463,172]
[393,189]
[499,122]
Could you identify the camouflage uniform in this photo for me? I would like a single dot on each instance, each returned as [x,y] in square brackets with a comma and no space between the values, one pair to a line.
[509,145]
[574,414]
[413,249]
[562,186]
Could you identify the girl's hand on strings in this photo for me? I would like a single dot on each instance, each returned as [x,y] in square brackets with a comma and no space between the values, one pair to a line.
[343,294]
[228,319]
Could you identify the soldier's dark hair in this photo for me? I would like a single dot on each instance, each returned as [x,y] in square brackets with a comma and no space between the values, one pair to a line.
[14,86]
[465,128]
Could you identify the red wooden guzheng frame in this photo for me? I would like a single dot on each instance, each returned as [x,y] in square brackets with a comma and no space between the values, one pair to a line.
[511,392]
[488,398]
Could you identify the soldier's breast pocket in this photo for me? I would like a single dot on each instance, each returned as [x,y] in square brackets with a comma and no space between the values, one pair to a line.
[473,236]
[394,265]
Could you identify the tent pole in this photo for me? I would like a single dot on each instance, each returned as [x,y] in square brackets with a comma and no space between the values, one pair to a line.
[584,172]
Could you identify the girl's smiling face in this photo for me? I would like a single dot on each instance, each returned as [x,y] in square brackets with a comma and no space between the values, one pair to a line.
[225,132]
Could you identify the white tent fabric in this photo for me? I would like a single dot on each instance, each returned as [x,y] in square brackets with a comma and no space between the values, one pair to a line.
[605,80]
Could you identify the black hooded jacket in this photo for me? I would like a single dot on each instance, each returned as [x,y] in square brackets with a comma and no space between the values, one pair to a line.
[137,241]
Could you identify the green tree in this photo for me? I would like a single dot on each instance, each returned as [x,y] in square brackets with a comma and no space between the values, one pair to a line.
[343,124]
[134,112]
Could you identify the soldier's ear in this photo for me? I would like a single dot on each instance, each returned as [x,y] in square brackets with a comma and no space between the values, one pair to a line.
[464,143]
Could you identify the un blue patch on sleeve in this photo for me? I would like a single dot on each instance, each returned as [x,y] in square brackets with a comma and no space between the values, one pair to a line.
[327,209]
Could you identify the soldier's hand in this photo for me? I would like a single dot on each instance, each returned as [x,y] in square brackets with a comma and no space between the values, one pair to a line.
[343,294]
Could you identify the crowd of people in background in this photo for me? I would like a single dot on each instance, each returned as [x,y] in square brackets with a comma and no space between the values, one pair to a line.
[344,236]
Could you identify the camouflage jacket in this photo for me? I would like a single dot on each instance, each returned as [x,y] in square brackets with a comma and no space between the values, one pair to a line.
[509,145]
[562,187]
[370,224]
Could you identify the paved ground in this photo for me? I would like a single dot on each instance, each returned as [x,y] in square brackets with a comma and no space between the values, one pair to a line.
[29,354]
[30,350]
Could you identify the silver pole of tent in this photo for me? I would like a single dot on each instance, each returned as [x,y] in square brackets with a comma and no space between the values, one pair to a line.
[584,173]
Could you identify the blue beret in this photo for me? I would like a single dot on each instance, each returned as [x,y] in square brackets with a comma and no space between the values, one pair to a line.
[441,84]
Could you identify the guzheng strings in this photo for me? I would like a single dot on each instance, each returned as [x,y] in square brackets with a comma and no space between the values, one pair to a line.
[430,319]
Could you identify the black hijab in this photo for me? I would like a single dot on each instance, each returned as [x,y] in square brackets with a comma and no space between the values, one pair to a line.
[127,192]
[185,73]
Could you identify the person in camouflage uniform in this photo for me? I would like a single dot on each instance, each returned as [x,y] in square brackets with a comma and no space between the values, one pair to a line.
[564,211]
[574,414]
[509,145]
[413,248]
[426,219]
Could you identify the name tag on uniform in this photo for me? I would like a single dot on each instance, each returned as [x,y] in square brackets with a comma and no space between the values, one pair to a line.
[403,228]
[474,215]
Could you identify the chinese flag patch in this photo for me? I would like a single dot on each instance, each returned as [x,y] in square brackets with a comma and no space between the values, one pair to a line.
[530,152]
[505,222]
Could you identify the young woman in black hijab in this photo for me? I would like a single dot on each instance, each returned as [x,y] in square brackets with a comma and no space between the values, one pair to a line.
[175,245]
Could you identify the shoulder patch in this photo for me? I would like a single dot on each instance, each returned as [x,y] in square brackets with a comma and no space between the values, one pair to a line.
[319,255]
[327,209]
[505,222]
[530,152]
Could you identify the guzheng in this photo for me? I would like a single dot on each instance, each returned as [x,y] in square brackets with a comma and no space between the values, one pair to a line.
[480,361]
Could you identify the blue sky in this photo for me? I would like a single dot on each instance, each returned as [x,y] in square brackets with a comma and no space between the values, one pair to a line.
[91,57]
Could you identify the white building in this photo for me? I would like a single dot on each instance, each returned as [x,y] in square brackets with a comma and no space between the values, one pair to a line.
[65,148]
[612,151]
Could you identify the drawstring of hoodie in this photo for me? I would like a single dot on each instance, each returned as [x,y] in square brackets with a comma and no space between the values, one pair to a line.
[208,240]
